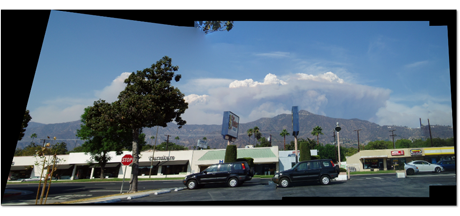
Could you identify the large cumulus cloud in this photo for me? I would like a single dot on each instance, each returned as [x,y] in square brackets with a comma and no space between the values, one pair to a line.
[324,94]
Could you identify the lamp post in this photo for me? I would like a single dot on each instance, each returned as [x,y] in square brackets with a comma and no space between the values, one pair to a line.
[337,128]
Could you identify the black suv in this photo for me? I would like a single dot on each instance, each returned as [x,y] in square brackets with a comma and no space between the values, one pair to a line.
[234,174]
[322,170]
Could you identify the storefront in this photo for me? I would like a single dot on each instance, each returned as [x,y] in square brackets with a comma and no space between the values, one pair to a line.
[388,159]
[111,170]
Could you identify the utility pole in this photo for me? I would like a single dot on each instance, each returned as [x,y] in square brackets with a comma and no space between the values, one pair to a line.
[335,143]
[429,128]
[357,131]
[270,140]
[167,141]
[393,135]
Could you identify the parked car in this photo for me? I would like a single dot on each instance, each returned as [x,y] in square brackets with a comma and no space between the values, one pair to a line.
[447,164]
[322,170]
[234,174]
[411,169]
[424,166]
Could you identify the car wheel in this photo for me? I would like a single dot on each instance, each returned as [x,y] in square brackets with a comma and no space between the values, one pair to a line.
[410,172]
[233,182]
[325,180]
[284,182]
[191,184]
[438,170]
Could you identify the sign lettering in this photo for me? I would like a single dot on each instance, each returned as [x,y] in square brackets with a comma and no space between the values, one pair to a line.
[168,158]
[416,152]
[397,153]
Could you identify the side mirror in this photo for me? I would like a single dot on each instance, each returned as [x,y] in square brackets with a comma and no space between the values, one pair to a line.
[205,172]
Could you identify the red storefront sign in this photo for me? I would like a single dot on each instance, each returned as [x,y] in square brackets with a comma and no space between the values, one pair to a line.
[396,153]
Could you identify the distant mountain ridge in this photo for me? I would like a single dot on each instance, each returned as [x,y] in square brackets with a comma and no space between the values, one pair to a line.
[189,134]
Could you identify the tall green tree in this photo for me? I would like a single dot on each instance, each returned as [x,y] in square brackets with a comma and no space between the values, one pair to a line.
[263,142]
[169,146]
[100,141]
[148,100]
[378,144]
[250,132]
[316,132]
[59,148]
[403,143]
[212,26]
[284,133]
[25,123]
[257,134]
[33,136]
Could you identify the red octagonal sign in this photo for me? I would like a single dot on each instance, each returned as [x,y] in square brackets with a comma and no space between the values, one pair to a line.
[127,160]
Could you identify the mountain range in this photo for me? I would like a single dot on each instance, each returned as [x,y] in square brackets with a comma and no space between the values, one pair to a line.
[189,134]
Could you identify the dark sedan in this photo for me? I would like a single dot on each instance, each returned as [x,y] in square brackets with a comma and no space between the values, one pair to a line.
[447,165]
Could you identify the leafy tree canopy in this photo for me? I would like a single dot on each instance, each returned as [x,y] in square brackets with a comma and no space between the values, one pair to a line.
[212,26]
[25,123]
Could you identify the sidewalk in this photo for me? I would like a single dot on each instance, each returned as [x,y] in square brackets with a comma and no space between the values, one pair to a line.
[118,197]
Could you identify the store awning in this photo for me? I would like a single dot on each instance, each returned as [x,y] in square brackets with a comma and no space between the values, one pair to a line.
[16,168]
[109,165]
[147,164]
[374,156]
[67,166]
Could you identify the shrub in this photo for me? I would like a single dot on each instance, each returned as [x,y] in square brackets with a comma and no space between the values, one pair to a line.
[230,154]
[304,152]
[343,170]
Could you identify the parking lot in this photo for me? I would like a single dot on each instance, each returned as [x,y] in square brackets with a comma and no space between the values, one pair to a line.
[363,190]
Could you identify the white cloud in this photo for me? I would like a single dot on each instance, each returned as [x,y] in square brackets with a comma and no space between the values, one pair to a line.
[398,114]
[416,64]
[270,79]
[328,76]
[273,54]
[70,109]
[110,93]
[324,94]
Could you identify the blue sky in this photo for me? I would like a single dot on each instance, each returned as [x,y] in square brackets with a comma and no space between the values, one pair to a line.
[390,73]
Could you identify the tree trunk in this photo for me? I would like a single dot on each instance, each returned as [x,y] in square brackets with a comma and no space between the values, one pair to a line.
[135,164]
[284,147]
[317,139]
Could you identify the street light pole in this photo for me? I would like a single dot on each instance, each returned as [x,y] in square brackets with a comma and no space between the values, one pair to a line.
[358,137]
[337,128]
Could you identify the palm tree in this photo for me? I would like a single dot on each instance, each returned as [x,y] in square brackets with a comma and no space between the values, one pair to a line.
[284,133]
[316,132]
[34,135]
[250,132]
[256,133]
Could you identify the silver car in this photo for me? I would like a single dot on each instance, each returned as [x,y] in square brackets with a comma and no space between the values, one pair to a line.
[424,166]
[411,169]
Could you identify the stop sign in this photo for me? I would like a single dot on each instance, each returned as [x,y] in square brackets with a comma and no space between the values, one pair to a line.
[127,160]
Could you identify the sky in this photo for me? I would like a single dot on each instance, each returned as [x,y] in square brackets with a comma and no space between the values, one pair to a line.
[389,73]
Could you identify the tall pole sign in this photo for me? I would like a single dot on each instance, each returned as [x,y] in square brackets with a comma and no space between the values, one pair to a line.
[126,161]
[337,128]
[230,126]
[295,128]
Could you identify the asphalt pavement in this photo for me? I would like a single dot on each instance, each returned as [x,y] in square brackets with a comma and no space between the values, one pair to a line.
[257,189]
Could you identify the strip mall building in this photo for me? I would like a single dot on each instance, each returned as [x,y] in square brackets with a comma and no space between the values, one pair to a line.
[267,161]
[386,159]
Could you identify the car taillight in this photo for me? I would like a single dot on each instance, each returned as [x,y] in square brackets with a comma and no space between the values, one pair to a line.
[242,164]
[332,164]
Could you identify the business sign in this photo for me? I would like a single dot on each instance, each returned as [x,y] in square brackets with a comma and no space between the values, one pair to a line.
[221,161]
[293,153]
[295,121]
[416,152]
[397,153]
[230,125]
[167,158]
